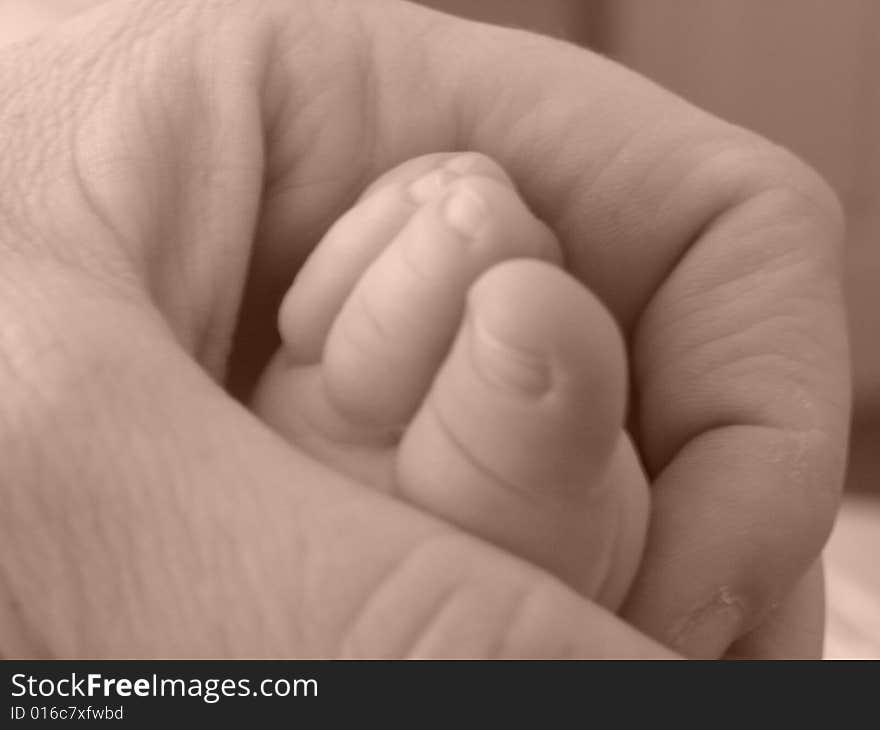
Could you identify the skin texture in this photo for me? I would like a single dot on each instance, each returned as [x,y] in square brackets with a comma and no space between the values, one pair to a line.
[165,167]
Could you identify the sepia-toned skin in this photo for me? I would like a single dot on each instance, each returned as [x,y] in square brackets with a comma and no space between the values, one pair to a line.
[165,167]
[434,349]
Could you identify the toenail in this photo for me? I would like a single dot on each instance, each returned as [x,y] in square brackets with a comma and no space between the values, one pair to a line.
[431,186]
[466,211]
[520,370]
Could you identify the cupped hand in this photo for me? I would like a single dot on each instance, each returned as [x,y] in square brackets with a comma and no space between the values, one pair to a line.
[165,168]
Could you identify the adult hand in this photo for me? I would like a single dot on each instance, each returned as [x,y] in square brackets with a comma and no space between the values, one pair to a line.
[166,166]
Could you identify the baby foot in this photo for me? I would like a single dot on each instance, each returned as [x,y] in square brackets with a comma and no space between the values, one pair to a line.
[432,349]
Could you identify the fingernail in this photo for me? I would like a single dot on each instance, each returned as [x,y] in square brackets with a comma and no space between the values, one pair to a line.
[466,163]
[707,632]
[431,186]
[473,163]
[466,212]
[520,370]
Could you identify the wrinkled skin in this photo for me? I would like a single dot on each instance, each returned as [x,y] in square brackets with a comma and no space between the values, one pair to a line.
[166,166]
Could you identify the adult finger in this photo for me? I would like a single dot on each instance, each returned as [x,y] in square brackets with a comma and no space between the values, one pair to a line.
[793,630]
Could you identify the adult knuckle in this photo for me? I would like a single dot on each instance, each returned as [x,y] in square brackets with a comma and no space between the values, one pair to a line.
[761,175]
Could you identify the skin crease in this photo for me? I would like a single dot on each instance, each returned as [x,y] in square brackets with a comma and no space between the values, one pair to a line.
[161,518]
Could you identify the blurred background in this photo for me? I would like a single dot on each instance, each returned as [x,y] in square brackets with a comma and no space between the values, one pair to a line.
[801,72]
